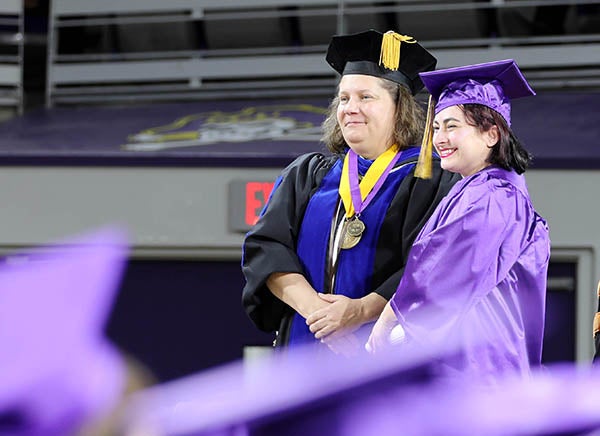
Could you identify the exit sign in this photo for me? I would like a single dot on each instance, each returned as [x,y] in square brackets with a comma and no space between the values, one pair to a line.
[247,199]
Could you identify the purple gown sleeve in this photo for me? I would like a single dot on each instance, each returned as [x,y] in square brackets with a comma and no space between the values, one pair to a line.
[466,266]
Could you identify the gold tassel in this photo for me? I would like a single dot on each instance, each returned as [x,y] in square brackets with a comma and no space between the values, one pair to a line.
[390,49]
[423,169]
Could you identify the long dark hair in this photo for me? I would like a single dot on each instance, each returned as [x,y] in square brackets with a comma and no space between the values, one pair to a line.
[508,152]
[409,119]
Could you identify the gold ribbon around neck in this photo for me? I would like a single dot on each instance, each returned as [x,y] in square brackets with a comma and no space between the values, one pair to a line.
[367,183]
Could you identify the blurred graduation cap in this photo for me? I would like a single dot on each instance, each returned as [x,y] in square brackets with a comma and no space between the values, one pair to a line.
[560,400]
[397,393]
[56,368]
[300,391]
[391,56]
[492,84]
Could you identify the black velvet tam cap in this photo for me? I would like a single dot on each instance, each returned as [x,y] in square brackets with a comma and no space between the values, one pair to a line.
[390,55]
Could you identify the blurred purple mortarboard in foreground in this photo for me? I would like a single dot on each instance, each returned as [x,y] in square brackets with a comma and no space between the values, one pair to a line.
[295,392]
[560,400]
[56,368]
[391,396]
[402,392]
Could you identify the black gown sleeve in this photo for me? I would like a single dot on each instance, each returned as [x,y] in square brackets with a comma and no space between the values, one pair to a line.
[270,246]
[410,209]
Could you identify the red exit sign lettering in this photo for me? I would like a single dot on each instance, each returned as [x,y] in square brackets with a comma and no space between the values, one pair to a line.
[257,194]
[247,198]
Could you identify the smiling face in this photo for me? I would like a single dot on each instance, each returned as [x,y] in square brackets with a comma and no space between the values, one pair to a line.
[463,148]
[366,114]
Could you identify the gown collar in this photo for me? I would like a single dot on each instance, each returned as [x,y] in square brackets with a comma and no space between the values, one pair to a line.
[409,153]
[494,171]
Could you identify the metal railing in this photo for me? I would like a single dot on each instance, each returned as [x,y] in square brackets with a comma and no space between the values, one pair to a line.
[246,51]
[11,55]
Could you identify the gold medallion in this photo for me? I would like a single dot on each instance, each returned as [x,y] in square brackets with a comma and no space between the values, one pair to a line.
[349,241]
[351,233]
[355,227]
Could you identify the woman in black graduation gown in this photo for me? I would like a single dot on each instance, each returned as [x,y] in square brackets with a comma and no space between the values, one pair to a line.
[331,245]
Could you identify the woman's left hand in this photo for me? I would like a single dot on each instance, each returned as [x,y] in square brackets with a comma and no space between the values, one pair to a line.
[343,315]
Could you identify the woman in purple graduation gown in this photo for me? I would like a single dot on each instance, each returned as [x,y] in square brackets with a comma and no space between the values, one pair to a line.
[476,274]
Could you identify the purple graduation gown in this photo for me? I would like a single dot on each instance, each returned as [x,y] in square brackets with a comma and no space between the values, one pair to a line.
[478,270]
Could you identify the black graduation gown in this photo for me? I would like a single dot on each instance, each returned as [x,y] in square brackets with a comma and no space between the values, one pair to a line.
[271,245]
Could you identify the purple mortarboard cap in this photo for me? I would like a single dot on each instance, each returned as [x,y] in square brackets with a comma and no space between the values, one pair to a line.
[555,400]
[56,368]
[391,395]
[492,84]
[299,391]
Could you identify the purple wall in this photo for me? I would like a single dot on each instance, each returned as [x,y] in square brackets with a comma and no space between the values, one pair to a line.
[560,129]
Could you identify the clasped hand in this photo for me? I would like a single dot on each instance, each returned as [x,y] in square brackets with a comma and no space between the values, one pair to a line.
[335,323]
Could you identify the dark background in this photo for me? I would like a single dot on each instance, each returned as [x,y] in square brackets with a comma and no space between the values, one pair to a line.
[180,317]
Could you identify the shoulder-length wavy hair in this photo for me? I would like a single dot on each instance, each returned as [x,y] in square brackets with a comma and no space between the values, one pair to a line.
[409,119]
[508,152]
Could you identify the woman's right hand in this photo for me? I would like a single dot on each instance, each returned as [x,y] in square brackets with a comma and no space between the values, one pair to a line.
[379,339]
